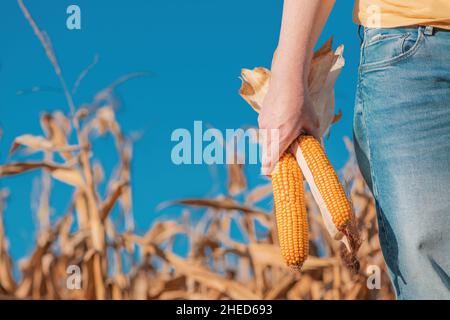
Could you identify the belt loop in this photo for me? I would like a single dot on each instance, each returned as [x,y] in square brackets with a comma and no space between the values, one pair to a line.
[429,30]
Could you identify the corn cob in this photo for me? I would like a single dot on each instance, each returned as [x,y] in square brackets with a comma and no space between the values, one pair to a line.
[327,181]
[330,196]
[290,211]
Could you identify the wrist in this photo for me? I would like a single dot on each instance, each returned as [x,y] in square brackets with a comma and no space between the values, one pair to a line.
[289,73]
[289,79]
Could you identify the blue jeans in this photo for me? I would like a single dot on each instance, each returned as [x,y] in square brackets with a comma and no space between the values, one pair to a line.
[402,142]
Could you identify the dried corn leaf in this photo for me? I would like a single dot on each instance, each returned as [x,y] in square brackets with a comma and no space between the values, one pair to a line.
[62,173]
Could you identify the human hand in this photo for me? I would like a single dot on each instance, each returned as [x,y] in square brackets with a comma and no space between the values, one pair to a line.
[288,109]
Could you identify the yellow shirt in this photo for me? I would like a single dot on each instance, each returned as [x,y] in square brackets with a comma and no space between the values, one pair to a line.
[402,13]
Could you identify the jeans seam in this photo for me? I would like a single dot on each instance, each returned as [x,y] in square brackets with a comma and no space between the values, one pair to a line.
[364,123]
[411,52]
[374,180]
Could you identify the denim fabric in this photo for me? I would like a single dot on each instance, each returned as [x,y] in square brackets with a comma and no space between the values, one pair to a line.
[402,142]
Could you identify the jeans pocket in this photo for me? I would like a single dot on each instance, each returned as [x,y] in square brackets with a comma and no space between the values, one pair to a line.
[384,47]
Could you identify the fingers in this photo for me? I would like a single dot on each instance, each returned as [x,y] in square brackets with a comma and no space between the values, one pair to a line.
[312,128]
[270,144]
[274,143]
[267,165]
[281,127]
[271,151]
[311,122]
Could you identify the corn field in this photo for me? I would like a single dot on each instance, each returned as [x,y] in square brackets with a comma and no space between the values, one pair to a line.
[217,266]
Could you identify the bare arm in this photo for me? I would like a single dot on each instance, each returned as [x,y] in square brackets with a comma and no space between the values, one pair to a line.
[287,106]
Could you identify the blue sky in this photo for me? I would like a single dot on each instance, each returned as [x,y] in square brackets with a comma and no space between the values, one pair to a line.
[194,50]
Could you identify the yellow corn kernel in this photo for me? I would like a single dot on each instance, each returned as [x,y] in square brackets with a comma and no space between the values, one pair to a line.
[290,211]
[327,182]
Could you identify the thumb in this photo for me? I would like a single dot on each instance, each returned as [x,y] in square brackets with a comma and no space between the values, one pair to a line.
[273,152]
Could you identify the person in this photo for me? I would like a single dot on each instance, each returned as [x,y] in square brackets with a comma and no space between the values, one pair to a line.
[401,125]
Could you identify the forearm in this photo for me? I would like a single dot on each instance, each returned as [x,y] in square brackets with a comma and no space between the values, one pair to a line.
[302,24]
